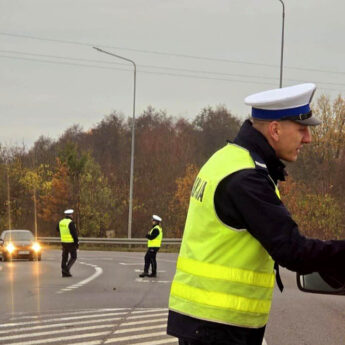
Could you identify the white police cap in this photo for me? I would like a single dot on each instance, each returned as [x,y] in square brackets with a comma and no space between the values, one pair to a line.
[69,211]
[157,218]
[287,103]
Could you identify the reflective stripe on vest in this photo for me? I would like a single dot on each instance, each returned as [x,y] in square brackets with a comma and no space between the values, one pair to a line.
[65,234]
[223,274]
[156,242]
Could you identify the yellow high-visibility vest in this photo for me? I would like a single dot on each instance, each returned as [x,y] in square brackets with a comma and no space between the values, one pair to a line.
[156,242]
[65,234]
[223,274]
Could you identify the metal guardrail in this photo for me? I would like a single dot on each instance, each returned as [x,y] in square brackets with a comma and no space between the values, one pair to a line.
[97,240]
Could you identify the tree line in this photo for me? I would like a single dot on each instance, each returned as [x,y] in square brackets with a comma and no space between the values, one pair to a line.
[89,172]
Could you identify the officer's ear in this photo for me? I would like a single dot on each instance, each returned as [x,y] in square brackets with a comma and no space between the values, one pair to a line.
[274,130]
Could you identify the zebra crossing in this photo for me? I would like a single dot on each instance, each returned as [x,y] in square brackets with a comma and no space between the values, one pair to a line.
[121,326]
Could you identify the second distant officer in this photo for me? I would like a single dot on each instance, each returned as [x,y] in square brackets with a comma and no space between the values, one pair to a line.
[154,242]
[69,242]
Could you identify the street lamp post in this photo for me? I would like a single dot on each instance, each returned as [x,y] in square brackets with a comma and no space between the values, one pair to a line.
[282,47]
[130,208]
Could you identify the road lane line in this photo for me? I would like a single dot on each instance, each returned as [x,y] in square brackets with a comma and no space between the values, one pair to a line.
[132,329]
[67,330]
[83,311]
[141,263]
[98,272]
[158,342]
[56,325]
[142,280]
[12,324]
[136,270]
[94,342]
[62,319]
[140,326]
[264,342]
[54,340]
[148,310]
[131,337]
[146,316]
[143,322]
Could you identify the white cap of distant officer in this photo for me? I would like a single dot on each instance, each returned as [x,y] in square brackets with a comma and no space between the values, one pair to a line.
[287,103]
[68,212]
[156,218]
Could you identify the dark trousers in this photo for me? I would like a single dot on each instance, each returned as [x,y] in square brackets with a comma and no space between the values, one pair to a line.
[232,336]
[150,259]
[69,256]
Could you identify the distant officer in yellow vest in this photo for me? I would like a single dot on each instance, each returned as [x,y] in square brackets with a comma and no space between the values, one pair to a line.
[69,242]
[237,228]
[154,242]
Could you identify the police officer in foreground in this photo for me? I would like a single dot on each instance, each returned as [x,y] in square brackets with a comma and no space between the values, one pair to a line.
[238,230]
[69,242]
[154,242]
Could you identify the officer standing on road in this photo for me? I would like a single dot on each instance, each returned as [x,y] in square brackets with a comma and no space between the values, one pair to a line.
[69,242]
[238,230]
[154,242]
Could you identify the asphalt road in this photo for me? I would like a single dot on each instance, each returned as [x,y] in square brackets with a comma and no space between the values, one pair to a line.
[105,302]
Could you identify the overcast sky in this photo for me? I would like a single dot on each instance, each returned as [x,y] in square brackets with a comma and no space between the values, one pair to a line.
[189,55]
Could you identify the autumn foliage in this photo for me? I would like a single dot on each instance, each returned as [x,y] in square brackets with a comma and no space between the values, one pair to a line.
[89,172]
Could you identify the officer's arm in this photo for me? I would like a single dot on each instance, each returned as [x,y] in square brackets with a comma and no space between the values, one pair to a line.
[58,228]
[73,231]
[153,234]
[252,195]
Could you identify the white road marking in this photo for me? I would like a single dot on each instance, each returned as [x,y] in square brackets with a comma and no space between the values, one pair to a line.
[58,325]
[98,272]
[38,334]
[61,319]
[130,264]
[161,312]
[264,342]
[147,310]
[67,338]
[144,316]
[97,258]
[94,342]
[83,311]
[138,326]
[158,342]
[142,280]
[136,258]
[136,270]
[143,322]
[137,329]
[132,337]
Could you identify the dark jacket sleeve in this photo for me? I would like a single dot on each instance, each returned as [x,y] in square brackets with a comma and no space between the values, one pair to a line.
[73,231]
[153,234]
[248,199]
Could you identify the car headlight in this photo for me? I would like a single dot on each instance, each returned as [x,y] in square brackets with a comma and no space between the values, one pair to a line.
[36,247]
[10,248]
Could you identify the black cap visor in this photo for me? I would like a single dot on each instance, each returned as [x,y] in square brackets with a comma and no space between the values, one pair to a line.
[304,119]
